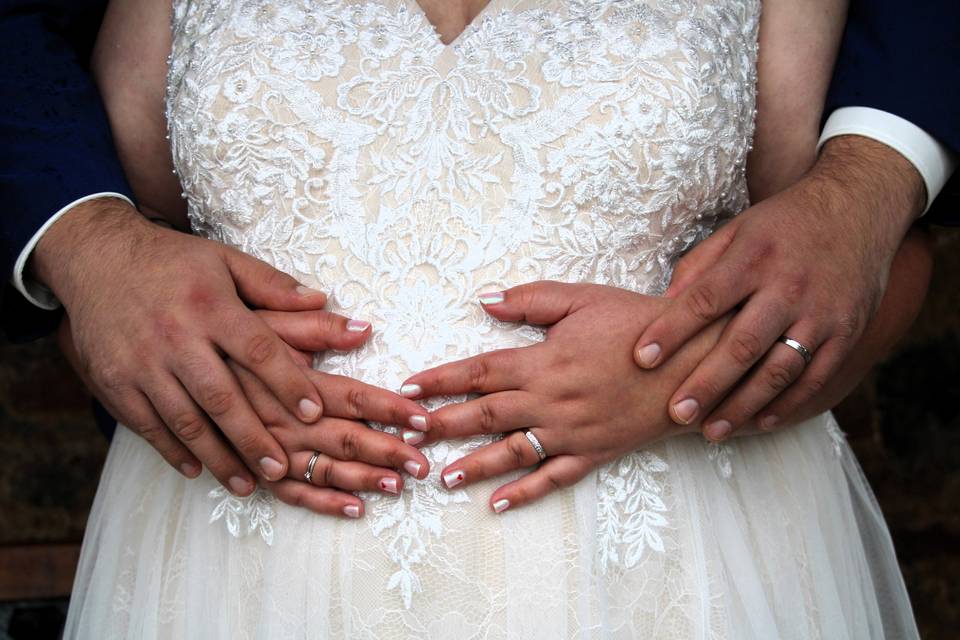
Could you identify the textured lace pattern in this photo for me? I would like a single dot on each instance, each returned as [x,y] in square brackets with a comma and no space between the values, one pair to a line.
[585,141]
[576,140]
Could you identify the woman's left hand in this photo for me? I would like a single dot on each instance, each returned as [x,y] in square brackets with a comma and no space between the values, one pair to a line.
[579,391]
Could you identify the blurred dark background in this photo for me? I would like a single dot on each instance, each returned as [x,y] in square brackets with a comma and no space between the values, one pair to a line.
[903,422]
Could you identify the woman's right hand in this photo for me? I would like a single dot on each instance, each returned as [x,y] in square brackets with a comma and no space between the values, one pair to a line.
[353,456]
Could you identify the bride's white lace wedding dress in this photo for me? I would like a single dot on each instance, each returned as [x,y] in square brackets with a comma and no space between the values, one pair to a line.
[575,140]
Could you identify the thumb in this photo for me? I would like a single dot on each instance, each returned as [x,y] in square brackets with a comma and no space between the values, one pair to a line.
[264,287]
[699,259]
[544,302]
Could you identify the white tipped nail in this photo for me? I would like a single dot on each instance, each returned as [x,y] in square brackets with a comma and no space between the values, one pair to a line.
[351,511]
[494,297]
[501,505]
[307,291]
[411,467]
[412,438]
[410,390]
[418,422]
[389,485]
[453,478]
[357,326]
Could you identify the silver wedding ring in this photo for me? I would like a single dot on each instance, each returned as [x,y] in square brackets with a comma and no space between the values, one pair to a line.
[308,476]
[799,348]
[541,453]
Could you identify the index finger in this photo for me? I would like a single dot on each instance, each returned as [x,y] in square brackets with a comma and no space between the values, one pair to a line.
[498,370]
[700,304]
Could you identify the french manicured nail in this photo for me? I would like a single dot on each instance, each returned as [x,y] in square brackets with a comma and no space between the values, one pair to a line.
[501,505]
[719,430]
[240,486]
[412,438]
[307,291]
[271,468]
[389,485]
[410,390]
[419,422]
[686,410]
[649,354]
[351,511]
[769,422]
[189,469]
[357,326]
[411,467]
[308,409]
[494,297]
[453,478]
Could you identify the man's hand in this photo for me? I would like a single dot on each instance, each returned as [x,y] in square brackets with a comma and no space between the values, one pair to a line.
[152,314]
[810,263]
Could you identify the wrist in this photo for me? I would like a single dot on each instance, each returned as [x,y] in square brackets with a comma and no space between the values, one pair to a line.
[873,181]
[77,243]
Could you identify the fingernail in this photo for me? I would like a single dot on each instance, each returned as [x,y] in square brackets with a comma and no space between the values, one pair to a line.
[649,354]
[412,437]
[769,422]
[351,511]
[307,291]
[389,485]
[419,422]
[686,410]
[189,469]
[494,297]
[719,430]
[240,486]
[410,390]
[453,478]
[357,326]
[271,468]
[411,467]
[501,505]
[309,409]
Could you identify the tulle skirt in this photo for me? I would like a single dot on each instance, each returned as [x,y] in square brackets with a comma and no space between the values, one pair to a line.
[772,536]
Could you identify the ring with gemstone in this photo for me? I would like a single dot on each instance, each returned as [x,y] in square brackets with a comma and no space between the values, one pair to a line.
[541,453]
[308,476]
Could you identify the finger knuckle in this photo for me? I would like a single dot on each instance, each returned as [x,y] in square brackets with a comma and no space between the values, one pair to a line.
[702,303]
[554,482]
[246,443]
[112,378]
[188,426]
[516,446]
[849,325]
[794,287]
[261,348]
[356,401]
[152,432]
[745,348]
[814,385]
[778,377]
[327,472]
[488,419]
[350,445]
[478,373]
[215,400]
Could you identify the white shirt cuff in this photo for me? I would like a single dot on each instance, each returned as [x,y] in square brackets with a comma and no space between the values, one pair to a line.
[33,291]
[933,161]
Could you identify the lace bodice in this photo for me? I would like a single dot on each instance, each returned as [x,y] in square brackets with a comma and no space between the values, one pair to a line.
[573,140]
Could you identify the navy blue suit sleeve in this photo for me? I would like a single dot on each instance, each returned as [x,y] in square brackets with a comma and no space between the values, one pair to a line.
[56,141]
[902,57]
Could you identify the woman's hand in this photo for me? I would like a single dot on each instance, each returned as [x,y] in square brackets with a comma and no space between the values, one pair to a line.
[352,456]
[579,391]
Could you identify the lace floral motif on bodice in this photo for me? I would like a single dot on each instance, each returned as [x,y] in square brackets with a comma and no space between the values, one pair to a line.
[574,140]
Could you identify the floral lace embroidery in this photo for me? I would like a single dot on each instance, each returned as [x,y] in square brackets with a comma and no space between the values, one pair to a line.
[583,140]
[245,516]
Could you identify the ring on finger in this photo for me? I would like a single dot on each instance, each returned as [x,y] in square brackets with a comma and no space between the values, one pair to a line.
[541,452]
[799,348]
[308,476]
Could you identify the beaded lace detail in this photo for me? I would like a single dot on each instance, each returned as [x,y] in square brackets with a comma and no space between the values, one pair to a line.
[581,140]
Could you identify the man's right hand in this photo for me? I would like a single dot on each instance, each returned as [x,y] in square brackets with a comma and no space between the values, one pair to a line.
[152,314]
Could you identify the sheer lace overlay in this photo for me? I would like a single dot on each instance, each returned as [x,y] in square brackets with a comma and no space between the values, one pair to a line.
[580,140]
